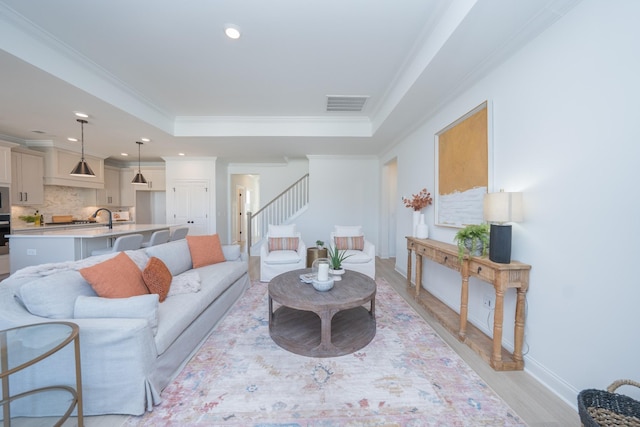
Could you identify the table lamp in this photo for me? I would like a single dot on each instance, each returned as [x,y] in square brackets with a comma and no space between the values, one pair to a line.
[500,208]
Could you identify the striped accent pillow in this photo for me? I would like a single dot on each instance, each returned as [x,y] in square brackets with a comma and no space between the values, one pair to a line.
[283,244]
[353,242]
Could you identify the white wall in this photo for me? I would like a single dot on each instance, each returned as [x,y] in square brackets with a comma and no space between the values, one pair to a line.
[566,134]
[344,190]
[274,178]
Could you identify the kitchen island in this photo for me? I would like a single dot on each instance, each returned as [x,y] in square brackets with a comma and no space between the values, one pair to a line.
[40,246]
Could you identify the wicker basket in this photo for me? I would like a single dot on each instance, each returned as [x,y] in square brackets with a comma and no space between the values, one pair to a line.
[599,408]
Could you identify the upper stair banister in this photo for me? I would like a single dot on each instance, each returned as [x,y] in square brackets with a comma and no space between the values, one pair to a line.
[284,207]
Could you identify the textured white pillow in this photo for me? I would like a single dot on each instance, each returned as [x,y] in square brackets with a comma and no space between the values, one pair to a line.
[282,230]
[138,307]
[348,230]
[54,296]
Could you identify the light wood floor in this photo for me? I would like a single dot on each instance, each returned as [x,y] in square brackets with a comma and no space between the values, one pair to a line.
[534,403]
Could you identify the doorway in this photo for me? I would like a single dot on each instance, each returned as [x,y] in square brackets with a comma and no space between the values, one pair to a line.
[245,194]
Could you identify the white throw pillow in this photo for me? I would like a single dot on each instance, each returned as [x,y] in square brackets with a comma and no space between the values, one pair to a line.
[54,296]
[348,230]
[175,255]
[282,230]
[138,307]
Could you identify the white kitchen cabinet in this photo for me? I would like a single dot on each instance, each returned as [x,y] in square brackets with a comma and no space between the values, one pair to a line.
[27,186]
[5,165]
[110,195]
[127,189]
[155,179]
[59,163]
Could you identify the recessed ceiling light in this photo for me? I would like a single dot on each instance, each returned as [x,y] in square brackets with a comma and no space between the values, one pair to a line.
[232,31]
[124,154]
[180,154]
[81,114]
[145,140]
[72,139]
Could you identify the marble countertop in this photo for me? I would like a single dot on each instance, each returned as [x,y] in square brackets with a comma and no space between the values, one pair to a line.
[91,231]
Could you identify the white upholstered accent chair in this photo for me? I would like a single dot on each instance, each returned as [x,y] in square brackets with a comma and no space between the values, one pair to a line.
[179,233]
[123,243]
[361,252]
[280,252]
[158,237]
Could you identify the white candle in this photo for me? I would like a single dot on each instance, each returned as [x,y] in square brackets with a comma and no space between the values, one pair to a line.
[323,272]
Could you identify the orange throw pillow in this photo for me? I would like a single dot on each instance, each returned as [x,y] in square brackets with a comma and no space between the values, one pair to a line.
[205,250]
[117,277]
[157,277]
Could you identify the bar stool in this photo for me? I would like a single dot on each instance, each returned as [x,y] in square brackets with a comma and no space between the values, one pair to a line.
[158,237]
[122,243]
[179,233]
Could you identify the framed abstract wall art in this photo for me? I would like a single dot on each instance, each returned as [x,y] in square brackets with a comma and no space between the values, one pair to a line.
[462,168]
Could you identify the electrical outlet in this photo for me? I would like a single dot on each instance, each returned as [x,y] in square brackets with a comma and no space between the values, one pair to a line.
[488,301]
[31,252]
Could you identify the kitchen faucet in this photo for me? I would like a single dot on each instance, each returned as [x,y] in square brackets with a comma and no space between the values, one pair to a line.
[110,219]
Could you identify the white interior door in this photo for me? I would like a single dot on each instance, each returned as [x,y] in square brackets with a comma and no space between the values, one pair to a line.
[192,205]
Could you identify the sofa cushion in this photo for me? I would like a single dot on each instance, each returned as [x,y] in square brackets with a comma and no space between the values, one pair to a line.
[175,255]
[177,312]
[205,250]
[138,307]
[356,257]
[283,243]
[348,230]
[157,277]
[54,296]
[282,257]
[352,242]
[231,252]
[118,277]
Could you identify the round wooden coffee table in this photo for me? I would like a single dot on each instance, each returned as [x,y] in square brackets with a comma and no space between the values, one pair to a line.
[322,324]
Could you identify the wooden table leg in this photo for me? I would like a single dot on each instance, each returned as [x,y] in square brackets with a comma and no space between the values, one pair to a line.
[325,329]
[518,334]
[409,267]
[498,318]
[464,300]
[418,273]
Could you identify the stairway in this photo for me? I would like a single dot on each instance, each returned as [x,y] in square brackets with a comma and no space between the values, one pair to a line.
[283,209]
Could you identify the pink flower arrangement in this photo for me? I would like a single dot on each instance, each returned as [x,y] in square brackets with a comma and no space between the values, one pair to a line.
[418,201]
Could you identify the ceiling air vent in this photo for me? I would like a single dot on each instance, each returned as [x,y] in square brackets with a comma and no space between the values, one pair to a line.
[345,103]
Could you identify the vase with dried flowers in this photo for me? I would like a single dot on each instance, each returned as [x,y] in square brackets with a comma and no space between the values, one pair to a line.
[417,202]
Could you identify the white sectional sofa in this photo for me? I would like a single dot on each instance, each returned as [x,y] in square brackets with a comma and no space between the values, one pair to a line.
[127,358]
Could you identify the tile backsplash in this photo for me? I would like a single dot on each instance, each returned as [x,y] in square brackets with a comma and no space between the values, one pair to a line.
[59,200]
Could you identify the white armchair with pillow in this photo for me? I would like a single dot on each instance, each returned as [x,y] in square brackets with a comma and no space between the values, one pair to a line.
[283,250]
[361,252]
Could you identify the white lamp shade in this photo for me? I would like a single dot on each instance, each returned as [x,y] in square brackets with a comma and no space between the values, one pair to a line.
[503,207]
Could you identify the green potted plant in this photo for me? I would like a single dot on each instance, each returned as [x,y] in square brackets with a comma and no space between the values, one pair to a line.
[474,239]
[336,257]
[319,244]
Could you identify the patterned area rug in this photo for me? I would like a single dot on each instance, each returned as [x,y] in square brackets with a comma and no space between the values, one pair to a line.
[407,376]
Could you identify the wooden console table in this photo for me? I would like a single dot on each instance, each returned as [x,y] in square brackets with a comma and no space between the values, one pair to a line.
[501,276]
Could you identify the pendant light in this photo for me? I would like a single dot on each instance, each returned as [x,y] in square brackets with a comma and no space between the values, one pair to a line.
[83,168]
[139,179]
